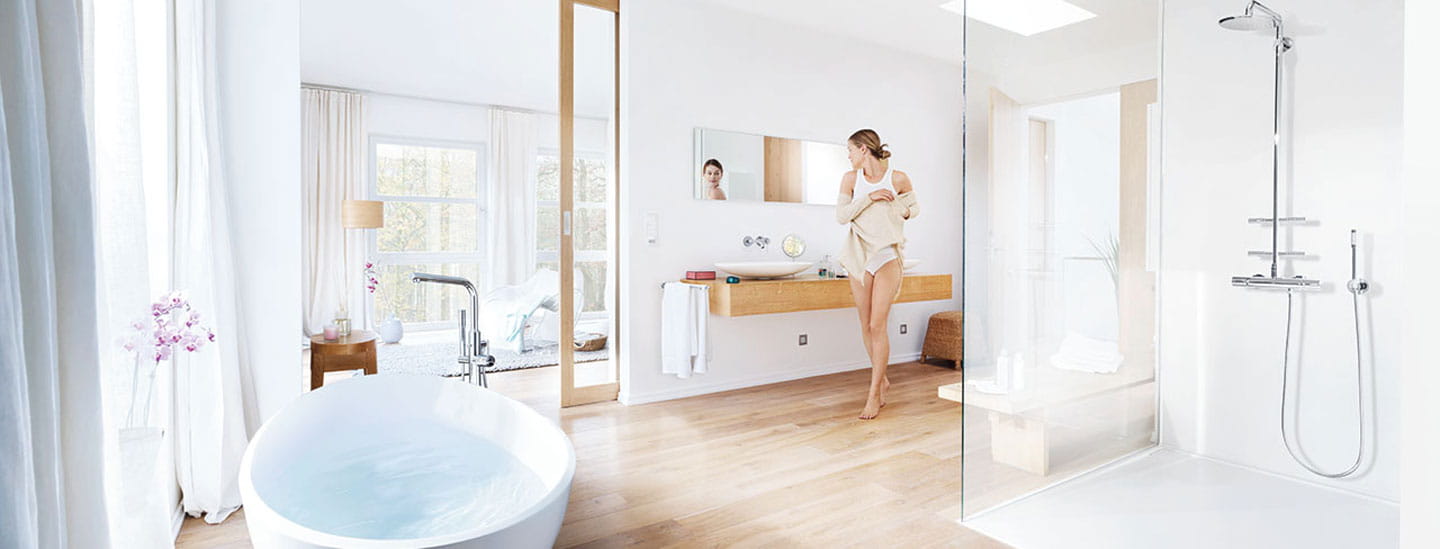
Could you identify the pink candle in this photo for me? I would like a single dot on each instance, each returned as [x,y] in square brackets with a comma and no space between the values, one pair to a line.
[332,332]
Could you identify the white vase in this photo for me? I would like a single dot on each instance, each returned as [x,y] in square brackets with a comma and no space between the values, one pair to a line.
[391,330]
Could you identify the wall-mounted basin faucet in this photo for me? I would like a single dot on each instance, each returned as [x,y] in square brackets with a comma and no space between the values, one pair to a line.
[758,241]
[473,355]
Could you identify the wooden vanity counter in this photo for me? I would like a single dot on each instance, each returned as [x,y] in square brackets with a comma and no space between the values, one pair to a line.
[809,293]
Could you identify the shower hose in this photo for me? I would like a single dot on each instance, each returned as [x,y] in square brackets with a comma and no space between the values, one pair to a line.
[1294,449]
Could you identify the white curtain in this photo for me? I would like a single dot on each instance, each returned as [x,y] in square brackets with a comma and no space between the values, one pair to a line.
[143,488]
[51,441]
[332,140]
[510,199]
[214,391]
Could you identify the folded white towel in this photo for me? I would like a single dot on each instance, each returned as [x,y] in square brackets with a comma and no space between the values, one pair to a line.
[684,329]
[1085,354]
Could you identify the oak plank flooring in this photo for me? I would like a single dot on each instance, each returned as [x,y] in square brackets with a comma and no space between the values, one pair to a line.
[786,464]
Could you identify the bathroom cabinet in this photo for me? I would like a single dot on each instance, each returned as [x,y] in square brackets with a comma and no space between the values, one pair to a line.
[810,293]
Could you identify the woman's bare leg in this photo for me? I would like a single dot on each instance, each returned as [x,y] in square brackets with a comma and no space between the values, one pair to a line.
[882,295]
[860,290]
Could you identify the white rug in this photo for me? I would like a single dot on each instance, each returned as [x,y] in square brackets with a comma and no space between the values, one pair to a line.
[440,358]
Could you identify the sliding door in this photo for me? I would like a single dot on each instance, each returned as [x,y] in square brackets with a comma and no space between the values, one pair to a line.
[588,167]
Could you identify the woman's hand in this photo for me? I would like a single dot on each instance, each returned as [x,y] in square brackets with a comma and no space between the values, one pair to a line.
[882,195]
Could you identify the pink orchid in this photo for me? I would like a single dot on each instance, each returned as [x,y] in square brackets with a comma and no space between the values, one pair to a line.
[172,323]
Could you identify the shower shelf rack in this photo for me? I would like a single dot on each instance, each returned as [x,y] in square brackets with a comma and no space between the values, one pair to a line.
[1282,255]
[1283,221]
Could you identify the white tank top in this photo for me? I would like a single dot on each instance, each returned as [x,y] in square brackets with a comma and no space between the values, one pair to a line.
[865,187]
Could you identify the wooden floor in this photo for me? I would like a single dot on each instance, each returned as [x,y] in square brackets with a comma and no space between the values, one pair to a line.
[783,465]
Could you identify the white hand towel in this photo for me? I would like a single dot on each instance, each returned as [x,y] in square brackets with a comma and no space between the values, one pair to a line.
[700,308]
[684,330]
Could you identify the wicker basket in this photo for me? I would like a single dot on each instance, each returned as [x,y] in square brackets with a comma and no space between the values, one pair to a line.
[586,341]
[944,337]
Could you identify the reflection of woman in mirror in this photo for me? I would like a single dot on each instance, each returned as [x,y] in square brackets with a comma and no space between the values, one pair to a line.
[874,202]
[713,173]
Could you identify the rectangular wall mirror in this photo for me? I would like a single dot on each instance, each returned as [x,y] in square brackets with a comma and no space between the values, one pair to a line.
[750,167]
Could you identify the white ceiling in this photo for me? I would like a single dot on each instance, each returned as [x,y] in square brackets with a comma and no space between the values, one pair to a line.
[505,51]
[501,52]
[921,27]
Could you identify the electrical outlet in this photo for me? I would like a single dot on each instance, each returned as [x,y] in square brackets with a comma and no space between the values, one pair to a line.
[804,339]
[904,328]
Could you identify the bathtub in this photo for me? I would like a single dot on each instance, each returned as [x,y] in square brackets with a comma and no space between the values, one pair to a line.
[293,497]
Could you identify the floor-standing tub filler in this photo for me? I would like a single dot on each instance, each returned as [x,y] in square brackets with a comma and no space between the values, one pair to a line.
[406,461]
[1268,20]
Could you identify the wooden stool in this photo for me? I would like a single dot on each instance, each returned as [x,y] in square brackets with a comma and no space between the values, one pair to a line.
[944,337]
[351,352]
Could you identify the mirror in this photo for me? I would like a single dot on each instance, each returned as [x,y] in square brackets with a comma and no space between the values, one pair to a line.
[739,166]
[793,246]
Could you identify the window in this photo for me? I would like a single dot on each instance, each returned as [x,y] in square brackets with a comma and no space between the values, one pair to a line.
[434,222]
[591,228]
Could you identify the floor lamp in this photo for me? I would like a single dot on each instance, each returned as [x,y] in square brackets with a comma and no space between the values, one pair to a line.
[356,214]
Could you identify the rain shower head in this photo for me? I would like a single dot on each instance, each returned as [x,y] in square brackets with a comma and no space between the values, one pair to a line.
[1248,22]
[1267,19]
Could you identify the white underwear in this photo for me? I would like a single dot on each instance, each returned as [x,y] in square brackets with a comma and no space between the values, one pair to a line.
[885,255]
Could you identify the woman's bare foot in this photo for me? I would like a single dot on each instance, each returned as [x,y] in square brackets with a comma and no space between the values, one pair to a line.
[872,408]
[884,386]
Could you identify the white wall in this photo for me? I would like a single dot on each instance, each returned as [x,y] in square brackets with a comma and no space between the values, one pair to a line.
[259,81]
[778,79]
[1421,425]
[1220,346]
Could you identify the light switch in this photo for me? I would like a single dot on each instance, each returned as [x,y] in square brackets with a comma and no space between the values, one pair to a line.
[652,227]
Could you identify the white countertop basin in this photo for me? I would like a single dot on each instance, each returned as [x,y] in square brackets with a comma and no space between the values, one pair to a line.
[763,269]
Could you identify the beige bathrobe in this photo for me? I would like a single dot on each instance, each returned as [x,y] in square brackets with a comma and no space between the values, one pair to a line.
[873,226]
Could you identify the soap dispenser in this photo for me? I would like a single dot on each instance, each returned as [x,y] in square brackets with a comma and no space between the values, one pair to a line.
[825,270]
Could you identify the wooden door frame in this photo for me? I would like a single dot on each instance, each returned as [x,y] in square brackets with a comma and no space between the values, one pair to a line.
[570,395]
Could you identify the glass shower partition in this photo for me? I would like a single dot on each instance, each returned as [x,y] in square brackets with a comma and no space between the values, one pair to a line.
[1061,188]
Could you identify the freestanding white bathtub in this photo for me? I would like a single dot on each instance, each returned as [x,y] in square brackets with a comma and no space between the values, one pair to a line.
[359,420]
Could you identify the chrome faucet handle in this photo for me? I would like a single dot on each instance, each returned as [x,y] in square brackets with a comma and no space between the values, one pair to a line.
[748,241]
[464,359]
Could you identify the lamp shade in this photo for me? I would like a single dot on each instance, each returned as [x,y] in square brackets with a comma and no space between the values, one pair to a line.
[362,214]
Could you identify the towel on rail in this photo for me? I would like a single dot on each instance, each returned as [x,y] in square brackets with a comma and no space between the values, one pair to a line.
[684,329]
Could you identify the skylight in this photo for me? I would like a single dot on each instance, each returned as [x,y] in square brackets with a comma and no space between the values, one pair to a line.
[1023,17]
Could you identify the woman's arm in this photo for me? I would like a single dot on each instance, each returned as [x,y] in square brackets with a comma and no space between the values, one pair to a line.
[906,197]
[847,205]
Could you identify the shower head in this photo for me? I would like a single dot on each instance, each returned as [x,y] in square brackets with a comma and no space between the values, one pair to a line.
[1248,22]
[1267,19]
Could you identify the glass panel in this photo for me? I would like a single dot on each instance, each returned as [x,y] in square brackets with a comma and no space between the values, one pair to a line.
[548,182]
[422,303]
[429,227]
[591,228]
[547,227]
[438,172]
[1059,284]
[593,194]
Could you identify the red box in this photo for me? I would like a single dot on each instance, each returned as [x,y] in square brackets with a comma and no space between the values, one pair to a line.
[699,275]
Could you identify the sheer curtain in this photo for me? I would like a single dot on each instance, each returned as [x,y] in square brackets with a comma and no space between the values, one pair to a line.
[510,199]
[127,160]
[332,161]
[214,389]
[51,441]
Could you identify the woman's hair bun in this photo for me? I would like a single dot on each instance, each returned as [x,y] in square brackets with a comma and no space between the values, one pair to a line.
[883,153]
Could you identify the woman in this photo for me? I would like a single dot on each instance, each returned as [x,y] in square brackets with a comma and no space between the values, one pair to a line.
[713,173]
[874,201]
